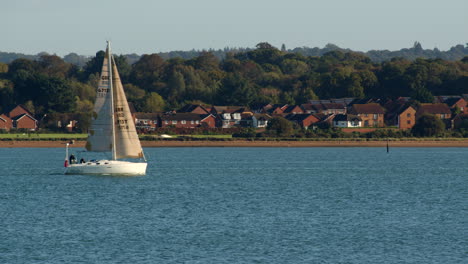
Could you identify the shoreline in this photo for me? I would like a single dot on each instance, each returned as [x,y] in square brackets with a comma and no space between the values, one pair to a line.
[246,143]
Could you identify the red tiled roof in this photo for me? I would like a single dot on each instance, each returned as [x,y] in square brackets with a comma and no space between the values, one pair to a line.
[367,109]
[434,109]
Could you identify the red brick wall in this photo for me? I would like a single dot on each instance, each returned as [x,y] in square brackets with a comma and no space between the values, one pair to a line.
[26,122]
[407,118]
[7,125]
[210,121]
[371,121]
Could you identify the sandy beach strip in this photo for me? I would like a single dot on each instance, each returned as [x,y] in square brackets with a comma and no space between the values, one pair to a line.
[246,143]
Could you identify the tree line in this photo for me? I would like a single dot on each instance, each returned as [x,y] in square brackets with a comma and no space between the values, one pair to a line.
[265,74]
[456,52]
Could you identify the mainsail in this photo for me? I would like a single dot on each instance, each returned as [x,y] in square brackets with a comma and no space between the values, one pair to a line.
[112,128]
[100,134]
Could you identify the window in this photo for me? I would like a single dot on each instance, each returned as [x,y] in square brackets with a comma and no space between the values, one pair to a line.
[376,116]
[183,122]
[409,122]
[145,122]
[408,115]
[197,122]
[166,122]
[191,122]
[174,122]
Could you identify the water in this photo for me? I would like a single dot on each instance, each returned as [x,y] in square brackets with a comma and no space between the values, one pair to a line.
[239,205]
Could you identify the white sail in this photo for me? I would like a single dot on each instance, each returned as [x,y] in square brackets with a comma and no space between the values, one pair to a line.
[127,144]
[100,134]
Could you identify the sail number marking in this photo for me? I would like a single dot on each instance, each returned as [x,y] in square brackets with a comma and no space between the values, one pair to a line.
[121,123]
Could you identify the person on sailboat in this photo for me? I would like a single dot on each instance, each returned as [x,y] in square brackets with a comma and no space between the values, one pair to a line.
[72,159]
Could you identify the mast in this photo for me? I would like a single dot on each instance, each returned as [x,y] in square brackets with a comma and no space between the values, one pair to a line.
[111,87]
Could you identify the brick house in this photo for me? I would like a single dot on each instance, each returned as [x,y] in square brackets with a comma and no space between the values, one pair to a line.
[303,120]
[5,122]
[440,110]
[400,115]
[187,120]
[22,118]
[453,102]
[372,115]
[276,109]
[146,121]
[293,109]
[406,118]
[457,103]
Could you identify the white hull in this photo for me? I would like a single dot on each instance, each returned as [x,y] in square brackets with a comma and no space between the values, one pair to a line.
[108,167]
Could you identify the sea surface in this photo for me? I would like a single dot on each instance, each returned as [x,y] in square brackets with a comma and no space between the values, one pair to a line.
[239,205]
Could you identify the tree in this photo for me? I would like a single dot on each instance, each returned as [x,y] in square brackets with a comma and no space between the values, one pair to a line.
[175,87]
[94,66]
[54,94]
[236,90]
[428,126]
[153,103]
[52,65]
[147,72]
[280,126]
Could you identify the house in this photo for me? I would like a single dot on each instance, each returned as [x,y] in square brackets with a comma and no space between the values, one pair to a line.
[22,118]
[303,120]
[146,121]
[293,109]
[372,115]
[260,108]
[5,122]
[347,120]
[454,103]
[324,108]
[194,109]
[401,115]
[276,109]
[187,120]
[260,120]
[229,116]
[342,101]
[440,110]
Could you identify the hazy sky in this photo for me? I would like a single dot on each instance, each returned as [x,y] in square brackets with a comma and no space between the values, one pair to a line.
[149,26]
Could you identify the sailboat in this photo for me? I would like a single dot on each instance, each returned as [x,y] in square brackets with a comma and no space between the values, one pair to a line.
[112,130]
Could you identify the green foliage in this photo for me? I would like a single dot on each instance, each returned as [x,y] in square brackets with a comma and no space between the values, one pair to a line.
[280,126]
[428,126]
[153,103]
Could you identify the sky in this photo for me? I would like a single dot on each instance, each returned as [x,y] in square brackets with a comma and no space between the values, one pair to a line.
[150,26]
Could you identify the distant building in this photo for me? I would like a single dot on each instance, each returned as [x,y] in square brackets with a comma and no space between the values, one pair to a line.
[347,120]
[372,115]
[303,120]
[5,122]
[22,118]
[146,121]
[187,120]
